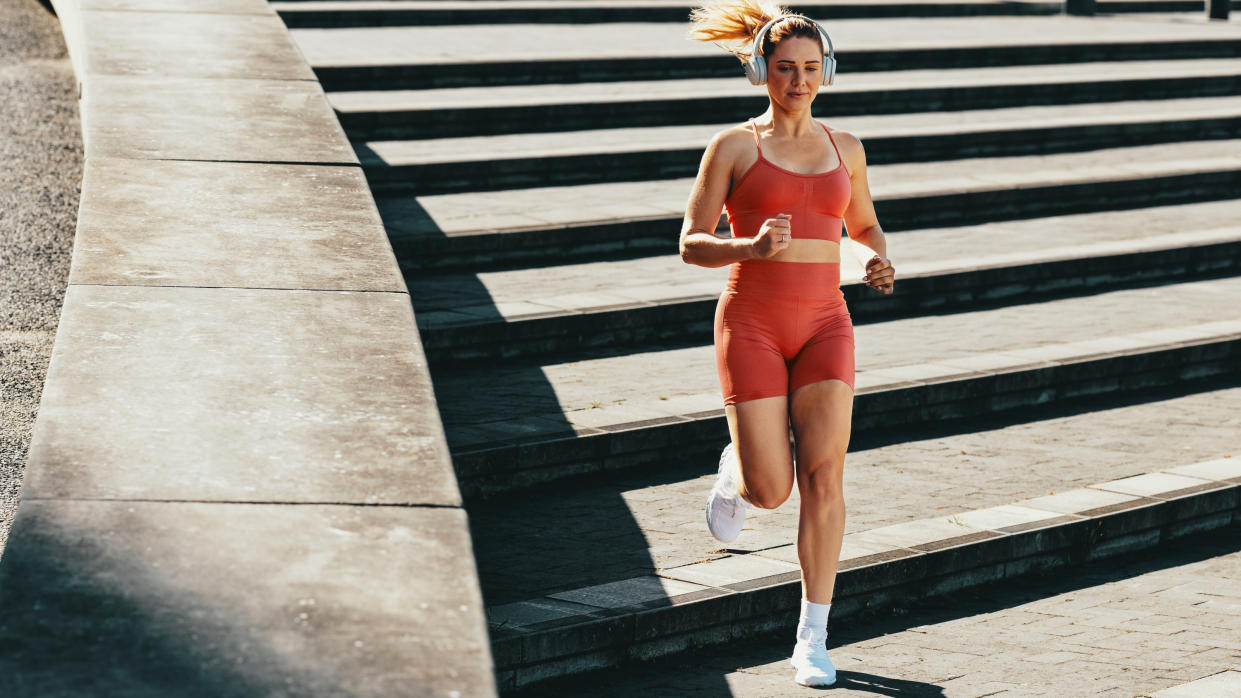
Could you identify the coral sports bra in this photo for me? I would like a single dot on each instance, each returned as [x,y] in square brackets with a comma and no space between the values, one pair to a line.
[816,202]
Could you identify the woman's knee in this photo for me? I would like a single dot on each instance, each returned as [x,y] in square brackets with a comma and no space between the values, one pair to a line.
[823,482]
[767,492]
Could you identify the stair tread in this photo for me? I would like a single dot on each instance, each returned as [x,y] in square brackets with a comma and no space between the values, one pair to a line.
[492,403]
[446,300]
[424,152]
[364,101]
[654,522]
[425,45]
[543,207]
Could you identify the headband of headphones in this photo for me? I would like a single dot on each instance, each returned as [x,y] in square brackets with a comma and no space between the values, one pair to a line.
[756,67]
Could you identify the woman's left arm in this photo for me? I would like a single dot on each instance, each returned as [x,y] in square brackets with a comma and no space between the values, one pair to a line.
[860,218]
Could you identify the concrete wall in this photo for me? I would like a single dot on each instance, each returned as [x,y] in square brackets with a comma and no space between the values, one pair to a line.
[238,482]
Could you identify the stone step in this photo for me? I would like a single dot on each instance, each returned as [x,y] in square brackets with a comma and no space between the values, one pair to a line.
[489,111]
[607,221]
[555,310]
[301,14]
[520,424]
[387,58]
[488,163]
[728,597]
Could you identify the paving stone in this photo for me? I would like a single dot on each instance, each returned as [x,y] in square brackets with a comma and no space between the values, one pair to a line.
[287,408]
[730,570]
[1221,685]
[176,223]
[1221,469]
[181,44]
[1151,484]
[1003,516]
[532,611]
[201,599]
[279,121]
[256,7]
[629,592]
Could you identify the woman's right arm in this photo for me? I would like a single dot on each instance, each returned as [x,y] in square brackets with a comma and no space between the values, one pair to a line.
[699,245]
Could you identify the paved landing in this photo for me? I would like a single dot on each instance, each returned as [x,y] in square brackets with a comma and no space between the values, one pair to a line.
[1166,624]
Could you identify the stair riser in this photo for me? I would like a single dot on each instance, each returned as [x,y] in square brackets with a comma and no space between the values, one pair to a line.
[424,76]
[622,239]
[487,471]
[424,17]
[489,121]
[497,174]
[690,322]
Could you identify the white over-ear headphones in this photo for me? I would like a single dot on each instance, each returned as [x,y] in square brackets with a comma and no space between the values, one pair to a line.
[756,67]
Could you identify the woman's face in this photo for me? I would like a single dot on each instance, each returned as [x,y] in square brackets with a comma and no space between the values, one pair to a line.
[795,72]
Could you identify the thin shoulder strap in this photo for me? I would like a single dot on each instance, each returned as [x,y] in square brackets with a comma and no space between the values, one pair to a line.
[839,157]
[756,139]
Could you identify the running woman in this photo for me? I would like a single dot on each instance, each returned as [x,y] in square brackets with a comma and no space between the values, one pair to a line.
[783,336]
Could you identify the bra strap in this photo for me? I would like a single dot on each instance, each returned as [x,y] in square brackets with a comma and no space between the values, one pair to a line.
[756,141]
[833,140]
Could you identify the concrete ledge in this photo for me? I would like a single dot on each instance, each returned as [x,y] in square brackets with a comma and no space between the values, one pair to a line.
[745,594]
[238,482]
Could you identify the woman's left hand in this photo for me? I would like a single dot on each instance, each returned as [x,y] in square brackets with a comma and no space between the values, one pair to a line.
[880,275]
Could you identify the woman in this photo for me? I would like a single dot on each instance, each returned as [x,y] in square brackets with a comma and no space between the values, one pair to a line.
[783,336]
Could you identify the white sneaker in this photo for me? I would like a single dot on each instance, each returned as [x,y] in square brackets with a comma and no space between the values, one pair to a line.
[726,508]
[810,660]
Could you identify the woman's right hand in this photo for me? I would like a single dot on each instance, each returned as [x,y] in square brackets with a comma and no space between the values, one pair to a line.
[773,236]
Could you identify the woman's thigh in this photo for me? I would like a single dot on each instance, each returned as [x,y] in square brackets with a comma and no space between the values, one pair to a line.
[822,419]
[760,433]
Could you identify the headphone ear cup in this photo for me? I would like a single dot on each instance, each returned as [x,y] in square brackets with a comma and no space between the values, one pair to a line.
[756,70]
[829,70]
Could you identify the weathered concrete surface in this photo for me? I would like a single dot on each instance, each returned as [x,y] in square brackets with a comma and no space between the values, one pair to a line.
[233,394]
[211,119]
[41,161]
[185,44]
[172,223]
[191,599]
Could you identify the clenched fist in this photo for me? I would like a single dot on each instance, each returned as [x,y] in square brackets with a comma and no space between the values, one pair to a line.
[773,236]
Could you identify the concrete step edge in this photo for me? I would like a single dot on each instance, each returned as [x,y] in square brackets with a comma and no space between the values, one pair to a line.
[689,318]
[721,600]
[951,206]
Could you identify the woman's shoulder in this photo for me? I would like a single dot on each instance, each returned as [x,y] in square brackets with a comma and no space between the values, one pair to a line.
[850,147]
[733,139]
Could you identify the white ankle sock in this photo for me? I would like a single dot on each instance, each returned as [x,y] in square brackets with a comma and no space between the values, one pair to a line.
[813,617]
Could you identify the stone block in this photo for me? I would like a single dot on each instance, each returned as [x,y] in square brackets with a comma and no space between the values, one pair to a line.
[1158,485]
[176,223]
[1221,685]
[729,570]
[209,599]
[252,7]
[1002,517]
[630,592]
[233,394]
[1078,501]
[278,121]
[195,45]
[1224,469]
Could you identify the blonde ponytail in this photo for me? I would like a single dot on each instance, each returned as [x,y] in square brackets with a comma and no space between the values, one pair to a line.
[732,21]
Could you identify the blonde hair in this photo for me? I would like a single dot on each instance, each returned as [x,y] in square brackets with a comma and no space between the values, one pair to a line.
[739,21]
